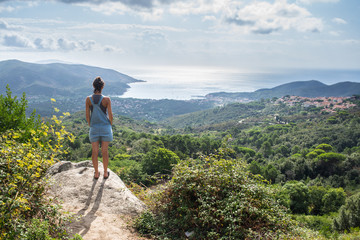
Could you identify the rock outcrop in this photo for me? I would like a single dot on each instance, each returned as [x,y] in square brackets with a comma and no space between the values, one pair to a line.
[102,206]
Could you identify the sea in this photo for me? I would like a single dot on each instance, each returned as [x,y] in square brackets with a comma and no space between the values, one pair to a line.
[185,83]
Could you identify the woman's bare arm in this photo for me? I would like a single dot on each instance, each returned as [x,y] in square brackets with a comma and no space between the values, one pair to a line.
[110,114]
[87,109]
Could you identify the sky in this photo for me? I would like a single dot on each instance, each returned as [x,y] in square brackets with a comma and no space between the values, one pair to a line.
[243,36]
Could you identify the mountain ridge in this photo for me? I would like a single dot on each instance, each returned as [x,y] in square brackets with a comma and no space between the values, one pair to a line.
[309,88]
[58,78]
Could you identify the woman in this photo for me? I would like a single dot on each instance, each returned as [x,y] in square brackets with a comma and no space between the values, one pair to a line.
[100,118]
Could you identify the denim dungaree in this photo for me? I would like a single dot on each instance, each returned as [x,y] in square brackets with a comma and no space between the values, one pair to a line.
[100,127]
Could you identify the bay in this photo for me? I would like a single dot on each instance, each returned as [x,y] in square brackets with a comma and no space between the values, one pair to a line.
[184,83]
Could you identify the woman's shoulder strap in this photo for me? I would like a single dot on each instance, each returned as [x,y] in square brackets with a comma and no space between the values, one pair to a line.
[91,99]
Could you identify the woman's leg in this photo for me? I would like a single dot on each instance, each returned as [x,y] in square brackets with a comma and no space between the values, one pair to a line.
[94,157]
[105,155]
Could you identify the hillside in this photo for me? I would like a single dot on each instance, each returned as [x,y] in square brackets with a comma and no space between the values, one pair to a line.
[58,79]
[247,112]
[311,88]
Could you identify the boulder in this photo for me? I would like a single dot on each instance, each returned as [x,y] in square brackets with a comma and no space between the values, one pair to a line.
[101,206]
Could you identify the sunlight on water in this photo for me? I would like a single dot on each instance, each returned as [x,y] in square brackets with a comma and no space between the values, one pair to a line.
[189,82]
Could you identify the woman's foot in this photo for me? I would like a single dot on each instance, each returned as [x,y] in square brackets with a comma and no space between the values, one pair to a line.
[96,176]
[106,176]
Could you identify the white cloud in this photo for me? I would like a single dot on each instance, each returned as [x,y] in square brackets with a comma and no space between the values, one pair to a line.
[264,18]
[69,45]
[15,40]
[334,33]
[4,25]
[6,9]
[317,1]
[339,21]
[44,44]
[209,18]
[187,7]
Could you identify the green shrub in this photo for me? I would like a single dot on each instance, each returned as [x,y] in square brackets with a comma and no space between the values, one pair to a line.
[38,230]
[13,115]
[215,198]
[128,170]
[325,147]
[323,224]
[349,214]
[27,150]
[299,196]
[159,160]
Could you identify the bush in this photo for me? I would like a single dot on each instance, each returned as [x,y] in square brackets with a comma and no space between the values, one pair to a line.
[26,152]
[349,214]
[13,115]
[299,196]
[38,230]
[323,224]
[22,168]
[215,198]
[159,160]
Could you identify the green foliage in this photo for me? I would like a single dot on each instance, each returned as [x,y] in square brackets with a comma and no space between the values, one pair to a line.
[325,147]
[13,114]
[323,224]
[328,163]
[216,198]
[38,230]
[316,195]
[299,196]
[270,173]
[349,214]
[160,160]
[26,152]
[245,150]
[333,200]
[128,170]
[255,167]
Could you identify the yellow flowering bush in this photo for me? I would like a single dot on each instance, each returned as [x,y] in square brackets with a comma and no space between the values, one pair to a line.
[25,155]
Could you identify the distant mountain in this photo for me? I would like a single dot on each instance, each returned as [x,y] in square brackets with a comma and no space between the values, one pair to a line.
[59,79]
[310,88]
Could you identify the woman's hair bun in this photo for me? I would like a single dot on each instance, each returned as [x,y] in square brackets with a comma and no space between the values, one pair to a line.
[98,84]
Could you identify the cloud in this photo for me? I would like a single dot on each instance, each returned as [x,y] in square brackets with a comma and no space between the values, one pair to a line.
[187,7]
[209,18]
[6,9]
[68,45]
[261,17]
[44,44]
[339,21]
[132,3]
[15,40]
[152,37]
[316,1]
[152,42]
[4,25]
[65,44]
[47,44]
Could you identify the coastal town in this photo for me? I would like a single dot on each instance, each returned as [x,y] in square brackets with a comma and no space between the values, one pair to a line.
[329,104]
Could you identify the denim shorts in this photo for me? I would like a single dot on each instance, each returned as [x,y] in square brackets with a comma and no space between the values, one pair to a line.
[101,133]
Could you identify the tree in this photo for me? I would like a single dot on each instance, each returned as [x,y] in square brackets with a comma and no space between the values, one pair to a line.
[266,149]
[270,173]
[349,214]
[159,160]
[328,163]
[255,167]
[325,147]
[13,114]
[299,196]
[333,200]
[316,194]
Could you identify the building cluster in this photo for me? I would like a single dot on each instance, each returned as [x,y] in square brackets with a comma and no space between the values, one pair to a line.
[329,104]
